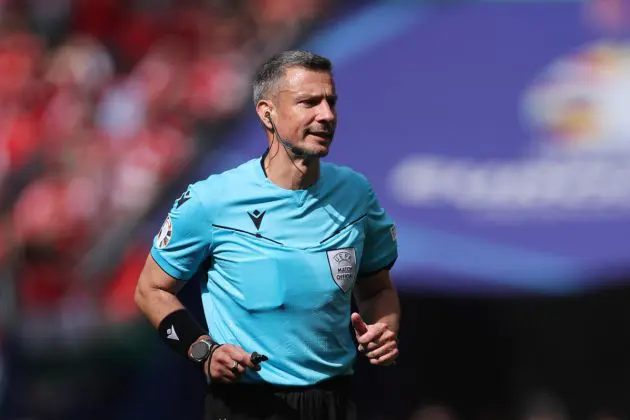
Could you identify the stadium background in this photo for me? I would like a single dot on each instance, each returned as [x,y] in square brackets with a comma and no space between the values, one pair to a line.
[495,133]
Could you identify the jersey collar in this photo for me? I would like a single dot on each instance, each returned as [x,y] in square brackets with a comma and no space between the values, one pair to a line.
[262,162]
[260,169]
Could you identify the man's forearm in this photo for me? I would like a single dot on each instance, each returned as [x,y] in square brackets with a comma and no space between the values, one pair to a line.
[383,306]
[156,304]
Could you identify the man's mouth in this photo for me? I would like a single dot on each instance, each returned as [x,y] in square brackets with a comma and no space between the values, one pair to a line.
[323,134]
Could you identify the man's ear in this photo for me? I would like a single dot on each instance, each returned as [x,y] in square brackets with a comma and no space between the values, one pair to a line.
[264,111]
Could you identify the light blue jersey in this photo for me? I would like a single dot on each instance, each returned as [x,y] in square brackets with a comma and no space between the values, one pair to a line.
[281,264]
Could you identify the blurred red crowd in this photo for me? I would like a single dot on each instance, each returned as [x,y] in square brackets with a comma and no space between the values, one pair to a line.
[99,100]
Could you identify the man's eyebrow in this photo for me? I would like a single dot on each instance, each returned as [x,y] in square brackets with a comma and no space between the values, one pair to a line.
[304,95]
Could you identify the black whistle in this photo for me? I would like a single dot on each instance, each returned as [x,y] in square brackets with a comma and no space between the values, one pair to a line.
[256,358]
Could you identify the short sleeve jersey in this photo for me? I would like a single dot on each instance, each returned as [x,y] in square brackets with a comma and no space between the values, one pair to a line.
[281,264]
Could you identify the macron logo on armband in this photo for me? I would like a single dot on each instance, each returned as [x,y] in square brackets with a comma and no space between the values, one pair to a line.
[170,333]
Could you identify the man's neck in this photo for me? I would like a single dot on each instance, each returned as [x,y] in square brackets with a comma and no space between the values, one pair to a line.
[289,172]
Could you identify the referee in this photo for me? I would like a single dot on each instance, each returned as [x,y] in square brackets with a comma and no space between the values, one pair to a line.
[286,241]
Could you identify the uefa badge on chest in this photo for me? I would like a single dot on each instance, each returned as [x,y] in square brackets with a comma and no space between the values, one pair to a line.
[165,233]
[343,267]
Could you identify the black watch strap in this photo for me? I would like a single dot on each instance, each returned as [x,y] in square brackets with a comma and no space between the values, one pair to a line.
[213,347]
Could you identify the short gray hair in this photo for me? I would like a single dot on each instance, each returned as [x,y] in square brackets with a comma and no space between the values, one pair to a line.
[275,68]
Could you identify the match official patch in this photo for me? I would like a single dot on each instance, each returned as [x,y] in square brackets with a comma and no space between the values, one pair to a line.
[343,267]
[165,233]
[392,232]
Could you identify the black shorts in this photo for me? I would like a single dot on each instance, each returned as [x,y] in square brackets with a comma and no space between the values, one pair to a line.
[327,400]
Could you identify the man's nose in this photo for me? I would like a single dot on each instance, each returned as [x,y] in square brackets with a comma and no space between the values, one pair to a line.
[326,113]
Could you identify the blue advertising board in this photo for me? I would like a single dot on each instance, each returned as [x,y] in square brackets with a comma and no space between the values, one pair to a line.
[497,135]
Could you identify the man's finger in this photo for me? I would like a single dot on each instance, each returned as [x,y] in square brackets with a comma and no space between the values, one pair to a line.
[242,357]
[222,373]
[225,375]
[237,368]
[360,327]
[386,359]
[389,358]
[387,336]
[383,339]
[363,348]
[382,350]
[225,362]
[373,334]
[221,357]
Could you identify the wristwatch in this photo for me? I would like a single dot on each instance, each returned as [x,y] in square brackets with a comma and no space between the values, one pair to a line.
[202,349]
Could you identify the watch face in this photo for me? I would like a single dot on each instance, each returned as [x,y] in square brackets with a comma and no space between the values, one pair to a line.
[200,350]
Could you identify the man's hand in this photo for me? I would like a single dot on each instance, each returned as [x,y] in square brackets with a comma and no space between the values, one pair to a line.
[228,363]
[376,341]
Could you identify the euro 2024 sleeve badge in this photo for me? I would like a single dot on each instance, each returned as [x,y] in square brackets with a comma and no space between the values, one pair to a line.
[165,233]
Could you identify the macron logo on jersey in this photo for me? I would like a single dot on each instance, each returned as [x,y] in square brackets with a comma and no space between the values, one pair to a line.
[181,200]
[257,218]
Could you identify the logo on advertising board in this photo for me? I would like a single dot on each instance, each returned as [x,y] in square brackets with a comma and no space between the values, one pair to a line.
[581,102]
[576,113]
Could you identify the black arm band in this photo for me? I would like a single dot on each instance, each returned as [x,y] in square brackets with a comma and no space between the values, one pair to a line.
[179,330]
